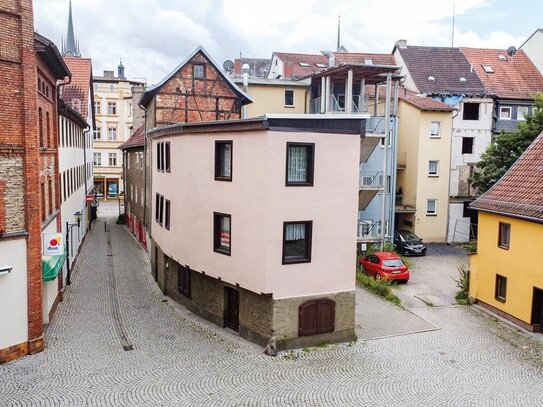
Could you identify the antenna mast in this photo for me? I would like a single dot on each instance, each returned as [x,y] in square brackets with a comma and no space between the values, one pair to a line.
[454,12]
[338,32]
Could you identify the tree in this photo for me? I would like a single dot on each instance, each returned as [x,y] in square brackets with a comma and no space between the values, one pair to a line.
[506,148]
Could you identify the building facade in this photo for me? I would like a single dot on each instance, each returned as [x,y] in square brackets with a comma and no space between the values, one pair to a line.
[510,230]
[266,256]
[113,110]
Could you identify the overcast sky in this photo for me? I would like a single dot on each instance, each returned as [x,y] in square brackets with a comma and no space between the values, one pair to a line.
[153,36]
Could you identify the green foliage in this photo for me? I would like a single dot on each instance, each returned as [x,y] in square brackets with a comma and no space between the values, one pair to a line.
[378,287]
[502,153]
[387,247]
[462,282]
[471,247]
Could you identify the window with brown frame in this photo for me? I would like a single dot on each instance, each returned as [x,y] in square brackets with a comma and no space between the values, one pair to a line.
[161,210]
[222,233]
[183,280]
[300,164]
[223,160]
[501,288]
[316,316]
[167,158]
[297,242]
[157,207]
[504,235]
[167,215]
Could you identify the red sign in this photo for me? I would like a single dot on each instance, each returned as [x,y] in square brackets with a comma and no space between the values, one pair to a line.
[90,198]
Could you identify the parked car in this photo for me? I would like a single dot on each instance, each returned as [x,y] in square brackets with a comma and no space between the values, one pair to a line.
[408,243]
[385,265]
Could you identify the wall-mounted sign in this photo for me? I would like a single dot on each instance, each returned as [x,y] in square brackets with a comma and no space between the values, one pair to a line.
[53,244]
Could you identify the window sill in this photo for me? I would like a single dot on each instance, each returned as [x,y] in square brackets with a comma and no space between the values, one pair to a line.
[296,261]
[503,247]
[433,175]
[500,299]
[431,214]
[437,137]
[289,106]
[227,179]
[299,184]
[222,251]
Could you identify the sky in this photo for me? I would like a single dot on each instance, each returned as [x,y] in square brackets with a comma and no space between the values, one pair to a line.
[153,36]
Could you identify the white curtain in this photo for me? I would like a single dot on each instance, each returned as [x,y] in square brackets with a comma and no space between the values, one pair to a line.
[227,157]
[297,164]
[295,232]
[225,232]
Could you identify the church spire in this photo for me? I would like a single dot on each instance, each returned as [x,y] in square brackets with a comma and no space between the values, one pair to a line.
[71,49]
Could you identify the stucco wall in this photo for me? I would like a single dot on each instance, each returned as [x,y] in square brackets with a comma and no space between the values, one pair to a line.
[491,260]
[13,293]
[259,203]
[271,99]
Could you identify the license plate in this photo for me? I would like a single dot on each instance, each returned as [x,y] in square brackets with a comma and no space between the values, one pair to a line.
[396,272]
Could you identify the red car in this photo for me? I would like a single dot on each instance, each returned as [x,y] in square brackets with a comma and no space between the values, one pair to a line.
[385,265]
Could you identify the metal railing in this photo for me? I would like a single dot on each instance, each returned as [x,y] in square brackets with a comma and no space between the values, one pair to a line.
[368,229]
[371,179]
[337,104]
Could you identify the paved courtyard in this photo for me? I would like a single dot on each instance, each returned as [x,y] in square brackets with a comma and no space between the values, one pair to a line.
[177,359]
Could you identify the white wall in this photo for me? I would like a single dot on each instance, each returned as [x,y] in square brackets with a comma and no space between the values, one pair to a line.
[532,48]
[13,294]
[259,203]
[459,226]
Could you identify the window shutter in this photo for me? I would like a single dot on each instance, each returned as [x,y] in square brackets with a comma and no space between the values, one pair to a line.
[307,322]
[325,316]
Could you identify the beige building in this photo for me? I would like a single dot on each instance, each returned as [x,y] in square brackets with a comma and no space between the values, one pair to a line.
[275,96]
[266,256]
[113,109]
[423,166]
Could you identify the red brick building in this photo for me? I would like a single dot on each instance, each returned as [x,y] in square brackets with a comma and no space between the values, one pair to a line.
[30,66]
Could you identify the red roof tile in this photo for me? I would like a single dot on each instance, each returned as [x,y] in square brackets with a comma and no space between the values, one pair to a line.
[136,140]
[296,59]
[361,57]
[513,77]
[519,193]
[76,93]
[424,102]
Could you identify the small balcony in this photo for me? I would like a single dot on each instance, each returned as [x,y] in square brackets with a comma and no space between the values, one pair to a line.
[336,104]
[369,231]
[405,203]
[371,182]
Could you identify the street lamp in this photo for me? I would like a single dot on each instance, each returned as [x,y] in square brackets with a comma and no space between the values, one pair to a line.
[69,227]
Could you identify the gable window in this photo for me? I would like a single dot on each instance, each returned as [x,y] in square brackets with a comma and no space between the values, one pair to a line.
[97,108]
[198,72]
[471,111]
[300,162]
[435,129]
[111,108]
[223,160]
[166,215]
[183,280]
[316,316]
[467,145]
[504,235]
[522,112]
[501,288]
[221,233]
[505,113]
[112,133]
[297,242]
[433,168]
[431,207]
[289,98]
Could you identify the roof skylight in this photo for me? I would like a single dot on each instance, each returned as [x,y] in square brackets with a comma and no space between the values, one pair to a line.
[304,64]
[487,68]
[321,65]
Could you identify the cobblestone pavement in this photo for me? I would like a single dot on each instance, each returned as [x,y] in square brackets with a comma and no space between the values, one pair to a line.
[178,360]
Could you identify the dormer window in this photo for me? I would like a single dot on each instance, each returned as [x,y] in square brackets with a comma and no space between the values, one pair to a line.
[368,61]
[431,79]
[487,68]
[304,64]
[320,65]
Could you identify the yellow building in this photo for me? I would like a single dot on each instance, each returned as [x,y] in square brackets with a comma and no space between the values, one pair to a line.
[423,166]
[276,96]
[506,274]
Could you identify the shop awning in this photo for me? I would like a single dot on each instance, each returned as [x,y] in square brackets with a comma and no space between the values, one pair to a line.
[50,265]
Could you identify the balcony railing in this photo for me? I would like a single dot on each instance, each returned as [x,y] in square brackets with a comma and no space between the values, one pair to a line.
[371,179]
[337,104]
[369,230]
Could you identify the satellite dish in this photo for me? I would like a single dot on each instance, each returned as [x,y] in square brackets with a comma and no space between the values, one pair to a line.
[511,51]
[228,66]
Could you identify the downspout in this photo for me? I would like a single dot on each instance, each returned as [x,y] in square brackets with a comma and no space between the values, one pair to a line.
[87,205]
[385,158]
[144,166]
[449,183]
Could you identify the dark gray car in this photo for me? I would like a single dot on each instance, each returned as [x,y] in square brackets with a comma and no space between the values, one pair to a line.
[408,243]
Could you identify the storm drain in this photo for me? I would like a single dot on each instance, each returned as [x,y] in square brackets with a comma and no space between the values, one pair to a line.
[114,298]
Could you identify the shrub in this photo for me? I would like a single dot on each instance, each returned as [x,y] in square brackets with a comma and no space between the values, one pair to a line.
[462,282]
[378,287]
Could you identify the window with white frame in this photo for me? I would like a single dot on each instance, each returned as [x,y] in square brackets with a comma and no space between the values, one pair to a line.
[111,107]
[435,129]
[433,168]
[97,134]
[97,158]
[289,98]
[522,112]
[505,112]
[112,133]
[97,108]
[112,159]
[431,207]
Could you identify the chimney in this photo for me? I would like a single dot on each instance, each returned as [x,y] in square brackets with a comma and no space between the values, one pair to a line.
[109,74]
[237,67]
[402,44]
[288,70]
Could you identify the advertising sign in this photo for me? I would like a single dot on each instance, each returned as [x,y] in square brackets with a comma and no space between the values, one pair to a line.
[53,244]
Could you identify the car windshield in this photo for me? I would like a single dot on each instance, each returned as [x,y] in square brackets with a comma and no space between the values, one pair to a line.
[409,237]
[393,263]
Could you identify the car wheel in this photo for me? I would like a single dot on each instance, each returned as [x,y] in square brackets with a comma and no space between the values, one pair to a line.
[378,276]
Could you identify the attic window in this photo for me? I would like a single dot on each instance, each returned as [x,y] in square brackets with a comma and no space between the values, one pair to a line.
[502,57]
[304,64]
[462,79]
[368,61]
[431,79]
[320,65]
[487,68]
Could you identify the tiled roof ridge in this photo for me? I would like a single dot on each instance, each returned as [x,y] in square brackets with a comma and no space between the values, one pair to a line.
[136,139]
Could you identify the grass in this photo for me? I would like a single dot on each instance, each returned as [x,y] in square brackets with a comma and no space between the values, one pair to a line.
[462,282]
[471,247]
[378,287]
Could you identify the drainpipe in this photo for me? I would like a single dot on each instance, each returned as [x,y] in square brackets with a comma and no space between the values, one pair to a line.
[385,159]
[87,206]
[144,166]
[449,183]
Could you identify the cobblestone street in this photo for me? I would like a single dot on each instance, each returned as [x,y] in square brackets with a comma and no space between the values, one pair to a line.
[177,359]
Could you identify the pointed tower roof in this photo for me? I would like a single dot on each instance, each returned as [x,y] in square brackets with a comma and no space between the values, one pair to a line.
[70,49]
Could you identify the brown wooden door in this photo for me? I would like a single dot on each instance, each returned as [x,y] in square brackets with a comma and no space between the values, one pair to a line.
[537,308]
[231,312]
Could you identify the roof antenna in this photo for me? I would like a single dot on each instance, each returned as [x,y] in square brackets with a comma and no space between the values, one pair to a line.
[338,32]
[454,12]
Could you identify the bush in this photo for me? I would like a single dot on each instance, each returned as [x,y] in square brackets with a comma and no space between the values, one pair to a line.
[378,287]
[462,282]
[471,247]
